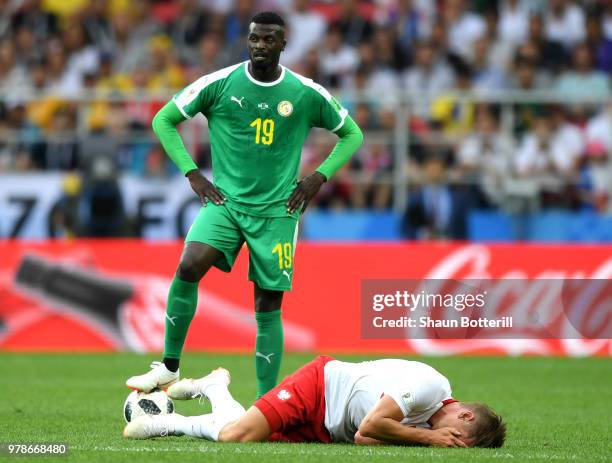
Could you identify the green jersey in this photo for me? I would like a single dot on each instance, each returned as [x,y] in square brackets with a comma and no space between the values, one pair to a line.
[257,130]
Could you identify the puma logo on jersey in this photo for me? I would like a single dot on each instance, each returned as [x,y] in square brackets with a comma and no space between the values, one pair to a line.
[264,356]
[287,274]
[239,101]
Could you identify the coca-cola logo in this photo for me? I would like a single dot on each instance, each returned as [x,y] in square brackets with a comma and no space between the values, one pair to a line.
[583,297]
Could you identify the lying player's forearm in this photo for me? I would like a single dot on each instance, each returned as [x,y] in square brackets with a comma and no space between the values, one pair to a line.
[393,432]
[362,440]
[351,138]
[164,126]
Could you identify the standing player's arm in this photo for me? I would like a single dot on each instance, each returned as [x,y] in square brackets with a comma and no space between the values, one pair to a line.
[164,125]
[383,423]
[351,138]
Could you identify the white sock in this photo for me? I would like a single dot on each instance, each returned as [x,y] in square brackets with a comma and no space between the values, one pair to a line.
[225,409]
[224,406]
[197,426]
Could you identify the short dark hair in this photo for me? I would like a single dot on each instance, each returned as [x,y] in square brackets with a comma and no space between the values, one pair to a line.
[489,428]
[268,17]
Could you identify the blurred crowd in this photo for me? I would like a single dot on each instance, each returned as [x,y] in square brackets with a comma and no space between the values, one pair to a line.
[128,56]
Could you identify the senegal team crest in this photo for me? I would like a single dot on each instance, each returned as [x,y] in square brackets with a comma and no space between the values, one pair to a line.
[285,108]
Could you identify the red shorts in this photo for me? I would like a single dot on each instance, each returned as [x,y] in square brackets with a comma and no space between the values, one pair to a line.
[295,409]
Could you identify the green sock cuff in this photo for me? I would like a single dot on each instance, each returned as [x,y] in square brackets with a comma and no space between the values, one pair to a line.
[268,316]
[181,286]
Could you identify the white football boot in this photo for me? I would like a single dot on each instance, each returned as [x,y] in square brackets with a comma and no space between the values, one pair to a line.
[157,377]
[192,388]
[148,426]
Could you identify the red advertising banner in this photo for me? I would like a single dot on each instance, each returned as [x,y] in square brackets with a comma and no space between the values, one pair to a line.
[110,295]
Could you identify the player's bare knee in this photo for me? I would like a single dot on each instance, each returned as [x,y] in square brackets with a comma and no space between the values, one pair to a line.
[190,268]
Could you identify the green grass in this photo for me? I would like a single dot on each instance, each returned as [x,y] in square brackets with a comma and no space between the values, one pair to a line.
[556,409]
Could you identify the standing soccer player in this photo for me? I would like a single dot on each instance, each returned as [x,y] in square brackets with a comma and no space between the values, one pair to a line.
[259,115]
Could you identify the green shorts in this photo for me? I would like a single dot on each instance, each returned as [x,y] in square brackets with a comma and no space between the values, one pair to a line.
[271,242]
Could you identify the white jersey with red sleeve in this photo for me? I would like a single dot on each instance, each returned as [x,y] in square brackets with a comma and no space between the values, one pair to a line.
[352,389]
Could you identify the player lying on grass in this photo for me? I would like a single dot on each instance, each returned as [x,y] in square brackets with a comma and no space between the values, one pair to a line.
[384,401]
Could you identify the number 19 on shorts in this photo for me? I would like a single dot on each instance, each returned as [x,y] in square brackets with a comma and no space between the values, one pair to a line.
[285,255]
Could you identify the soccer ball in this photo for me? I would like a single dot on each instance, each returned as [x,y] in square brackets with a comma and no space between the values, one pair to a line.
[138,404]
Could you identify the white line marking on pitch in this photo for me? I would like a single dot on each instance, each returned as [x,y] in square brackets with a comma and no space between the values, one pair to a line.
[340,450]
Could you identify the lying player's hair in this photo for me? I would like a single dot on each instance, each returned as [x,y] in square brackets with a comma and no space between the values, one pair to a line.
[489,429]
[268,17]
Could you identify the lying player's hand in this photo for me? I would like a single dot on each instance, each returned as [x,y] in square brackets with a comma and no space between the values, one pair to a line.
[204,188]
[445,437]
[305,190]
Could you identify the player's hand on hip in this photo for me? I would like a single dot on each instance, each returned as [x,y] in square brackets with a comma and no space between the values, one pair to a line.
[204,188]
[305,190]
[446,437]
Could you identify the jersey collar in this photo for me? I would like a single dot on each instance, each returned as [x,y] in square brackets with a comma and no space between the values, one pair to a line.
[263,84]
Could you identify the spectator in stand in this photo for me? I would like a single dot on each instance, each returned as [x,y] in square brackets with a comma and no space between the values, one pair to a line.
[61,80]
[338,59]
[513,26]
[464,27]
[187,28]
[97,25]
[551,55]
[101,211]
[8,8]
[499,51]
[583,80]
[211,57]
[364,116]
[82,57]
[138,107]
[390,52]
[306,31]
[132,29]
[109,81]
[311,66]
[487,77]
[354,26]
[525,77]
[37,80]
[600,46]
[336,193]
[29,50]
[62,145]
[411,19]
[429,75]
[597,178]
[607,20]
[31,15]
[377,74]
[237,26]
[565,23]
[434,211]
[167,73]
[373,167]
[24,141]
[599,129]
[13,76]
[452,113]
[549,149]
[483,156]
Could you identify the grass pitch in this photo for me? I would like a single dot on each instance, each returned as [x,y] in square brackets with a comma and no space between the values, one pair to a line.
[556,409]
